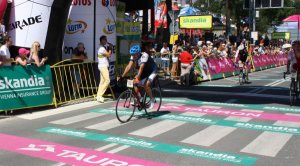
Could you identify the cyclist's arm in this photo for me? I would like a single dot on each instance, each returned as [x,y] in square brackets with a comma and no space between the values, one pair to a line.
[127,69]
[138,76]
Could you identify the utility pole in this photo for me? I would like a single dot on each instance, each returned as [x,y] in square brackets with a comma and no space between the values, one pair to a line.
[228,16]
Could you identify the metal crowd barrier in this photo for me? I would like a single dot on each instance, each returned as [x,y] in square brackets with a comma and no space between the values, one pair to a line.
[74,81]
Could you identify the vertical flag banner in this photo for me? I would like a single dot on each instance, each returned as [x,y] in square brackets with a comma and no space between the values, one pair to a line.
[120,17]
[79,28]
[29,21]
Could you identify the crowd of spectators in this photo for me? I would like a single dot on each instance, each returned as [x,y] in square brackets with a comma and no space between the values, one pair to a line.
[187,49]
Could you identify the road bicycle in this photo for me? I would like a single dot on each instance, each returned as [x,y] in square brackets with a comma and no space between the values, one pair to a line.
[242,73]
[128,101]
[294,87]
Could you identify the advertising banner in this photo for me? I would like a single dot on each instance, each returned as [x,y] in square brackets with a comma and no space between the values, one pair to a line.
[213,66]
[281,35]
[29,22]
[195,22]
[79,28]
[160,10]
[202,65]
[106,25]
[22,87]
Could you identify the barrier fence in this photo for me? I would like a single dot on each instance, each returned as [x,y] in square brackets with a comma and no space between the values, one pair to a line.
[75,80]
[215,68]
[30,86]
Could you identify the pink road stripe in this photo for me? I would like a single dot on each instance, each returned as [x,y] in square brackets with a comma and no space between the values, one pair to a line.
[67,154]
[230,112]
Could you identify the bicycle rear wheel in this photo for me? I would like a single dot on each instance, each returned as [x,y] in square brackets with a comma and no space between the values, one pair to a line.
[125,106]
[292,92]
[156,93]
[241,77]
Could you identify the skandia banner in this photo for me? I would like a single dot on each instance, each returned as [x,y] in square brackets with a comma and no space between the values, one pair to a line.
[22,87]
[29,22]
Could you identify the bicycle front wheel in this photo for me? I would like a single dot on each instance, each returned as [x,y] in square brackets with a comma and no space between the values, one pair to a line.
[292,93]
[156,93]
[125,106]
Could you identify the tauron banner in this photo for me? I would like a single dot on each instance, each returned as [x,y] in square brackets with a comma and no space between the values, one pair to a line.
[29,21]
[22,87]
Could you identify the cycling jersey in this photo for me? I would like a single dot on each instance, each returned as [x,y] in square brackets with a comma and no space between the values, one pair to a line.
[150,66]
[243,55]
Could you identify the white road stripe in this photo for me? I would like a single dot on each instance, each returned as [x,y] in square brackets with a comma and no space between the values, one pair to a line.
[60,110]
[123,147]
[106,147]
[214,133]
[102,149]
[157,128]
[269,143]
[78,118]
[106,125]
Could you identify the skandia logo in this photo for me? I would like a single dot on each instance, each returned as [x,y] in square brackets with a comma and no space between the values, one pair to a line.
[109,27]
[25,22]
[75,26]
[34,81]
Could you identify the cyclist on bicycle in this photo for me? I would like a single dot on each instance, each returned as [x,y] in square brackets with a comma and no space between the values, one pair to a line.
[242,56]
[295,58]
[145,67]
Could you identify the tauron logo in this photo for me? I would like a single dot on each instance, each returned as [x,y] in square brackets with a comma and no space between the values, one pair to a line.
[34,81]
[25,22]
[75,26]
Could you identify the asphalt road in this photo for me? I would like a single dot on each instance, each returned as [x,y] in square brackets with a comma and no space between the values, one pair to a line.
[214,123]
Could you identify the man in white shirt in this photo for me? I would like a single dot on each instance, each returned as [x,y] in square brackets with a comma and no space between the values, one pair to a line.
[4,51]
[103,64]
[165,51]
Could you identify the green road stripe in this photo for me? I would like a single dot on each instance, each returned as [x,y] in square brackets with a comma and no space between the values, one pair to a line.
[156,146]
[232,105]
[211,121]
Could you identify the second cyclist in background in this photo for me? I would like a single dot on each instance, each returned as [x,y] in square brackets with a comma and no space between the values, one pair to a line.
[146,69]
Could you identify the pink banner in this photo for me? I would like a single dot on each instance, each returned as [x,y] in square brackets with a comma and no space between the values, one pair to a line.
[213,65]
[231,112]
[66,154]
[266,60]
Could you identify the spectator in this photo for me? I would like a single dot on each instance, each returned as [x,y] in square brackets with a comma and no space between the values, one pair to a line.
[4,51]
[186,65]
[103,65]
[22,57]
[1,61]
[78,56]
[175,52]
[34,55]
[165,51]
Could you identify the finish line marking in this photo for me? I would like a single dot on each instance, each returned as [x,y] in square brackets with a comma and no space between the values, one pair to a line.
[155,146]
[233,105]
[211,121]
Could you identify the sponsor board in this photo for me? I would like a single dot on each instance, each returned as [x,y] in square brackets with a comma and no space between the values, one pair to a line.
[27,86]
[28,22]
[67,154]
[156,146]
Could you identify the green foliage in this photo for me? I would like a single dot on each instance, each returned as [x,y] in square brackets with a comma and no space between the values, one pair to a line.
[267,16]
